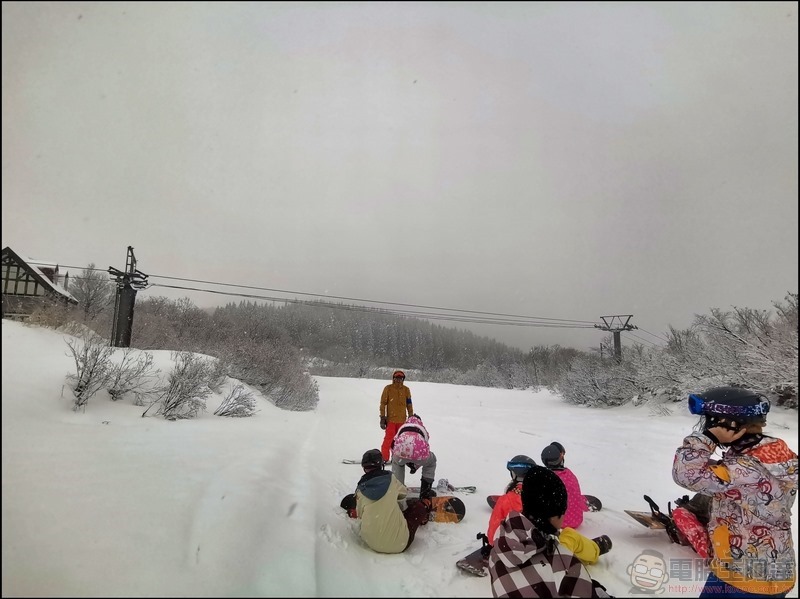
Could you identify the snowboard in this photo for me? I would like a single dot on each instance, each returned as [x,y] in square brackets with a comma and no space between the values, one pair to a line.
[646,519]
[657,520]
[443,509]
[592,502]
[444,486]
[474,563]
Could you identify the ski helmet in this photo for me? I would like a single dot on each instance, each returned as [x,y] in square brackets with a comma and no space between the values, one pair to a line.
[519,465]
[732,405]
[552,456]
[399,373]
[372,459]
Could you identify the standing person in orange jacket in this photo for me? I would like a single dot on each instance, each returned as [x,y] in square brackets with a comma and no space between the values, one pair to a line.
[396,406]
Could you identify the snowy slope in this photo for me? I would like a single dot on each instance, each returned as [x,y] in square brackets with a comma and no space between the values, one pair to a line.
[106,503]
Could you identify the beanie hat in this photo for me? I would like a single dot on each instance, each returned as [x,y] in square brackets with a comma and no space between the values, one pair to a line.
[398,373]
[543,496]
[551,455]
[372,459]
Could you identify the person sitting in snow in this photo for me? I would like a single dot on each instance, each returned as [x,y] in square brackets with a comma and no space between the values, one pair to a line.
[527,559]
[385,528]
[553,458]
[410,448]
[586,549]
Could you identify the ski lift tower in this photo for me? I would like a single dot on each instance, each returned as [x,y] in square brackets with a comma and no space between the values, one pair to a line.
[616,326]
[128,283]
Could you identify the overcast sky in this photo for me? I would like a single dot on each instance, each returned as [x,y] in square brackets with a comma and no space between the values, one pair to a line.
[559,160]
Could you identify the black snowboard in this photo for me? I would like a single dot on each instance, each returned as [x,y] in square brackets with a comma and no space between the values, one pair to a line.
[594,504]
[475,563]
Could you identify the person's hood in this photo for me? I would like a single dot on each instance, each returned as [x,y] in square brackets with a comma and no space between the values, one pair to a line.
[375,484]
[520,541]
[415,420]
[775,456]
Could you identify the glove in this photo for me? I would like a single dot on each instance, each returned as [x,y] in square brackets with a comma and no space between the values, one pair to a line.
[384,422]
[412,468]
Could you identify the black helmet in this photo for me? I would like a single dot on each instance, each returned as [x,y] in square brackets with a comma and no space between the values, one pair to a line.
[519,465]
[733,405]
[372,459]
[552,455]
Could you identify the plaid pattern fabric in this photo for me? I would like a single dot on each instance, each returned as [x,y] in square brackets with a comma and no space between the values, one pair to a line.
[526,563]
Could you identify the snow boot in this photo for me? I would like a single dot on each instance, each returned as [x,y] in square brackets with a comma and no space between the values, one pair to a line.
[426,488]
[604,543]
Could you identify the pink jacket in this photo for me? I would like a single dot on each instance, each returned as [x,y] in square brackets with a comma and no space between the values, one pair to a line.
[411,441]
[576,502]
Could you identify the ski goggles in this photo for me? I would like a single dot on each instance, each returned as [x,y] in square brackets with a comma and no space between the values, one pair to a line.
[697,405]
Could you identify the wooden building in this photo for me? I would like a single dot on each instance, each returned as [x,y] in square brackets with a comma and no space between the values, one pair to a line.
[26,286]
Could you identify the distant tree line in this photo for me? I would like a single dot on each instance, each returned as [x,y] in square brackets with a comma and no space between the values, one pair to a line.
[276,348]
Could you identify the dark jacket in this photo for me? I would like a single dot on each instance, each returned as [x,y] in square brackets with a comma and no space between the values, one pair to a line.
[524,562]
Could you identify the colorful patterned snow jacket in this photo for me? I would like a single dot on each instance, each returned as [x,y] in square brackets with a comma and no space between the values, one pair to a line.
[383,525]
[524,562]
[396,402]
[584,548]
[411,441]
[753,489]
[576,502]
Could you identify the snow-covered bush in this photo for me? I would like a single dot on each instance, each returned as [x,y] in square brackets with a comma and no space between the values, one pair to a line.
[238,403]
[133,374]
[186,390]
[595,382]
[91,354]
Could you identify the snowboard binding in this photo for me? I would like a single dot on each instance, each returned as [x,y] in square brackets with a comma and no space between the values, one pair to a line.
[674,534]
[486,546]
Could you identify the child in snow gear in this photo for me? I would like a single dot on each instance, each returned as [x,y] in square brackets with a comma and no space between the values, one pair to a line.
[586,549]
[752,489]
[384,527]
[395,406]
[553,458]
[410,448]
[527,559]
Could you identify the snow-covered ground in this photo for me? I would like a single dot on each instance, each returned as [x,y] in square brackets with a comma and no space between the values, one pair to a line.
[107,503]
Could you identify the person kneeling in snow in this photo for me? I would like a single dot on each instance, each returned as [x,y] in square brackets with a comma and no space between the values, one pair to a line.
[410,448]
[587,550]
[527,560]
[384,527]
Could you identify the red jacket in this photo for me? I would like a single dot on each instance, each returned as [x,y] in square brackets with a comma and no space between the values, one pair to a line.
[511,501]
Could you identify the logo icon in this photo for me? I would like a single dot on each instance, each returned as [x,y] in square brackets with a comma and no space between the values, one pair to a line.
[648,573]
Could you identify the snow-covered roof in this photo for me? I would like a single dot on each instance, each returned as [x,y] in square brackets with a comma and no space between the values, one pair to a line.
[43,279]
[54,286]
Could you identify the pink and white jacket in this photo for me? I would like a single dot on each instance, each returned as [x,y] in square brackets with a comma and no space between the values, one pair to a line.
[411,441]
